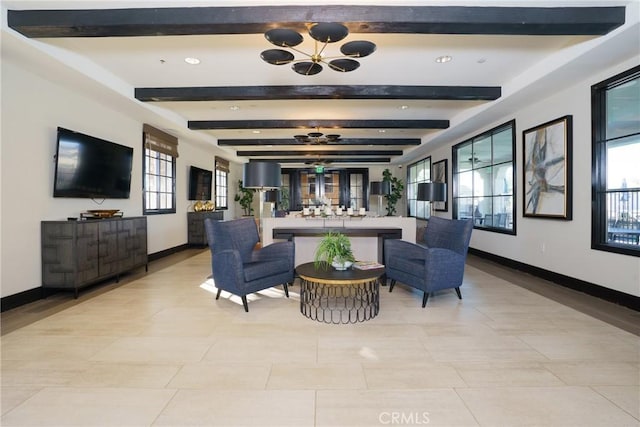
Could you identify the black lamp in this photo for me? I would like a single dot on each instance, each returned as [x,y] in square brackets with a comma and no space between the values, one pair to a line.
[380,189]
[432,192]
[261,176]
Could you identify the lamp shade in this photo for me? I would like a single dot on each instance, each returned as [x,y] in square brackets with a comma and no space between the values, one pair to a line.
[380,188]
[432,192]
[261,175]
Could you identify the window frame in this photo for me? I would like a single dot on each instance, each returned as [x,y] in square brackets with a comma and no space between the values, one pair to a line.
[599,192]
[159,211]
[412,188]
[221,166]
[511,124]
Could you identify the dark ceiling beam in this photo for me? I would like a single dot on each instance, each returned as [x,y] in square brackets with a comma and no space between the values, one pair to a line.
[268,93]
[320,153]
[344,141]
[311,124]
[335,160]
[359,19]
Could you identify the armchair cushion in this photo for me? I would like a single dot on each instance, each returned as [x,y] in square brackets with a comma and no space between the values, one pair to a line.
[260,269]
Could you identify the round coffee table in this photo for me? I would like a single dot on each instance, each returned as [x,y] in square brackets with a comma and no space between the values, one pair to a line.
[332,296]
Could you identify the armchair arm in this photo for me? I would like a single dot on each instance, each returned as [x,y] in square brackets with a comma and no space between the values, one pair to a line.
[276,250]
[444,268]
[228,271]
[404,249]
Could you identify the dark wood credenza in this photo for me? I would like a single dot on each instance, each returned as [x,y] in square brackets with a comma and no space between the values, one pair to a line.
[196,234]
[76,254]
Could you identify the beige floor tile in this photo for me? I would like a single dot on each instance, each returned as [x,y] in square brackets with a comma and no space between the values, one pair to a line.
[595,373]
[367,349]
[626,397]
[437,407]
[58,407]
[222,376]
[505,374]
[124,375]
[390,376]
[580,347]
[543,406]
[239,408]
[41,373]
[272,349]
[481,348]
[10,397]
[154,350]
[303,376]
[25,347]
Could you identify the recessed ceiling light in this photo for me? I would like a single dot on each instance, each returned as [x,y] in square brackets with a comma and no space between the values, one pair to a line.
[443,59]
[404,107]
[255,131]
[234,108]
[482,60]
[192,61]
[382,130]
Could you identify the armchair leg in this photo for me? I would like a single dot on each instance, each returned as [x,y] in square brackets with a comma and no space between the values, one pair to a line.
[244,302]
[392,284]
[458,292]
[286,289]
[218,294]
[425,297]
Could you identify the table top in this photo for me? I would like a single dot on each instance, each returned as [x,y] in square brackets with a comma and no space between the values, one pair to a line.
[331,276]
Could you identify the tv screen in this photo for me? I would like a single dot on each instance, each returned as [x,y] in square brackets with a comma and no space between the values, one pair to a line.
[90,167]
[200,183]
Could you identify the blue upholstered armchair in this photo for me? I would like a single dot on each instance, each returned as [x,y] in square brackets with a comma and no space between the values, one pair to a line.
[238,267]
[437,265]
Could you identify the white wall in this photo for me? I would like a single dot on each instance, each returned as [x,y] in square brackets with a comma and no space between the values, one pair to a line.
[32,109]
[560,246]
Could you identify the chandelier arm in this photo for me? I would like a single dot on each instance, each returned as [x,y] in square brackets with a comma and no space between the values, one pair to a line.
[321,50]
[300,51]
[343,70]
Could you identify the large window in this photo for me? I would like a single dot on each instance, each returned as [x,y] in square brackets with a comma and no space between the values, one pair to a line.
[616,156]
[159,170]
[222,183]
[483,177]
[418,173]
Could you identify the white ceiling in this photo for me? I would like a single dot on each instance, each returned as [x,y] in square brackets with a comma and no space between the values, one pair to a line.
[518,64]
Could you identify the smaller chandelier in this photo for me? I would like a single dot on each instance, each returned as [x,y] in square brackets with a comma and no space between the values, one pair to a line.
[323,33]
[317,137]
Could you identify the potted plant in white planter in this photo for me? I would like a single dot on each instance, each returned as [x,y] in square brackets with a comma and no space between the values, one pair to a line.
[334,249]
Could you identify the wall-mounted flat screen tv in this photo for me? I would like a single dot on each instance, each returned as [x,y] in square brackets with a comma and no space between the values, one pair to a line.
[90,167]
[200,183]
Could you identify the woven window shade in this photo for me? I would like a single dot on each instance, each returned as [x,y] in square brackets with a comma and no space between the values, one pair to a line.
[222,164]
[157,140]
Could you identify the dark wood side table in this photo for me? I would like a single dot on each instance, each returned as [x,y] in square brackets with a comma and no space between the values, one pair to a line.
[331,296]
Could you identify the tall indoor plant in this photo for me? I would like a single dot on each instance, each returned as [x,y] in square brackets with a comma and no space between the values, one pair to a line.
[334,249]
[396,191]
[245,198]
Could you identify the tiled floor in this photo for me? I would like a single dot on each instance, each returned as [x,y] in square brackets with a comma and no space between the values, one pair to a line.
[159,350]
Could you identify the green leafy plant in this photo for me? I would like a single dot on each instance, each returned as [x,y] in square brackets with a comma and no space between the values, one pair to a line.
[397,186]
[245,198]
[334,246]
[284,198]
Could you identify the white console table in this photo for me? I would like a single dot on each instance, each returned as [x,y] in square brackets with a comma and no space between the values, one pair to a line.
[366,233]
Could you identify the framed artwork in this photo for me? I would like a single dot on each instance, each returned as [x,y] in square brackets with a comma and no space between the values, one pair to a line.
[547,170]
[439,174]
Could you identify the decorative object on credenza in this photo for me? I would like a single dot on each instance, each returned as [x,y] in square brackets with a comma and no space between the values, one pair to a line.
[204,206]
[439,174]
[335,249]
[323,33]
[100,213]
[396,191]
[547,170]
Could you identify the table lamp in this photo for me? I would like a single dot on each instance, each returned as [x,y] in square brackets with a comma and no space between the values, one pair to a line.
[261,176]
[432,192]
[380,189]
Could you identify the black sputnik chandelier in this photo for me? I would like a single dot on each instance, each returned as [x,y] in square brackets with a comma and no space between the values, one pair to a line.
[322,33]
[317,137]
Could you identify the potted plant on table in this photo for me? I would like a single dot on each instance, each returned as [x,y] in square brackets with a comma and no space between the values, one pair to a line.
[334,249]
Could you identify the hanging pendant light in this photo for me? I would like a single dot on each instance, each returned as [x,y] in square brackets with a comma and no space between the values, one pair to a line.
[323,33]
